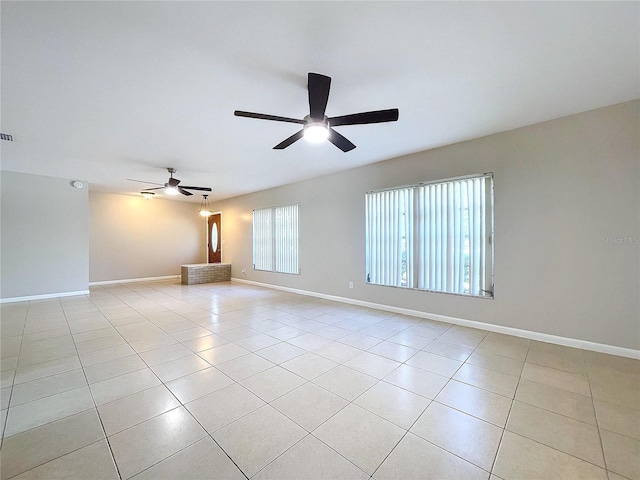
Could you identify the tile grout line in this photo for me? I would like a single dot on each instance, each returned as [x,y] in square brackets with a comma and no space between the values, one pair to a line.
[513,399]
[352,402]
[190,300]
[290,419]
[13,384]
[15,371]
[106,438]
[407,431]
[67,416]
[595,414]
[465,413]
[210,435]
[181,405]
[570,418]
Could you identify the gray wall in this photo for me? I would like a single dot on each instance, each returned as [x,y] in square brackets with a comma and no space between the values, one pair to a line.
[44,236]
[136,238]
[566,194]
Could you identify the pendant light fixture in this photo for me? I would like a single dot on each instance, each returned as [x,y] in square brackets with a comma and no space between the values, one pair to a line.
[205,208]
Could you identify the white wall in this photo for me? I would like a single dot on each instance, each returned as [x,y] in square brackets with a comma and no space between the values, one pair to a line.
[131,237]
[566,192]
[44,236]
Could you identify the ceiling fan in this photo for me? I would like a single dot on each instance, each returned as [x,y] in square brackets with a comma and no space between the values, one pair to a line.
[317,126]
[172,187]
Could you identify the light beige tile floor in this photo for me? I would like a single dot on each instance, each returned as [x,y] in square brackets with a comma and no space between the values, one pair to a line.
[159,380]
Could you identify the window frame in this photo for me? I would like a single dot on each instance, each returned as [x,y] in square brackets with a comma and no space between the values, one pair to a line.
[415,228]
[273,238]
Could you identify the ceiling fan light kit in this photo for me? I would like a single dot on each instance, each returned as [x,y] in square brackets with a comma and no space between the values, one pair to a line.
[316,132]
[317,126]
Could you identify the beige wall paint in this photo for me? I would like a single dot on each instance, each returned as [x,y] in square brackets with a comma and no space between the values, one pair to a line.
[44,240]
[131,237]
[566,192]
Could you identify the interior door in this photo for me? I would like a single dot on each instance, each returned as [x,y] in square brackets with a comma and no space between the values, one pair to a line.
[215,238]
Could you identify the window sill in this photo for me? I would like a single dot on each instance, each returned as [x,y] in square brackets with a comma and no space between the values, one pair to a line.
[467,295]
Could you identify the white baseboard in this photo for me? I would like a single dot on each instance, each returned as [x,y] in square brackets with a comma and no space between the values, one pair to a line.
[134,280]
[44,297]
[516,332]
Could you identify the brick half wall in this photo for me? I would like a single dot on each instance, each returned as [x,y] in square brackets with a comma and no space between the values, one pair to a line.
[206,273]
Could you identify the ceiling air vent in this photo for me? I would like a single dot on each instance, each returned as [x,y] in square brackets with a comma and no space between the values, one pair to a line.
[6,136]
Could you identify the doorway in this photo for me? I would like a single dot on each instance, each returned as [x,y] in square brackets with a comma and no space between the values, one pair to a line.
[214,238]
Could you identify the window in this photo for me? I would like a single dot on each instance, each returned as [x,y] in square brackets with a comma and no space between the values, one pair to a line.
[275,239]
[432,236]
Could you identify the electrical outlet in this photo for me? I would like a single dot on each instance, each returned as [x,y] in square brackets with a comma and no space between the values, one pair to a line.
[350,284]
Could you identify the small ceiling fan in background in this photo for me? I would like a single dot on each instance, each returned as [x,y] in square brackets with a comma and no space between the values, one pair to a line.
[317,126]
[172,187]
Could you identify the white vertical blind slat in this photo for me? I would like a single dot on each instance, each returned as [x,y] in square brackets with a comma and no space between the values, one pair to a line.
[409,236]
[456,243]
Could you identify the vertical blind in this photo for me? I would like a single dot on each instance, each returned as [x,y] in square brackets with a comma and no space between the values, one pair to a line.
[262,239]
[275,239]
[389,236]
[434,236]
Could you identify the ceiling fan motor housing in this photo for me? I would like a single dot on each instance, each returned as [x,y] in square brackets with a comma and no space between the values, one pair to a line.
[319,86]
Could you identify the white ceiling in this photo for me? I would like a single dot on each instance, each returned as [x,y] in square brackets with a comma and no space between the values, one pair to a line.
[108,91]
